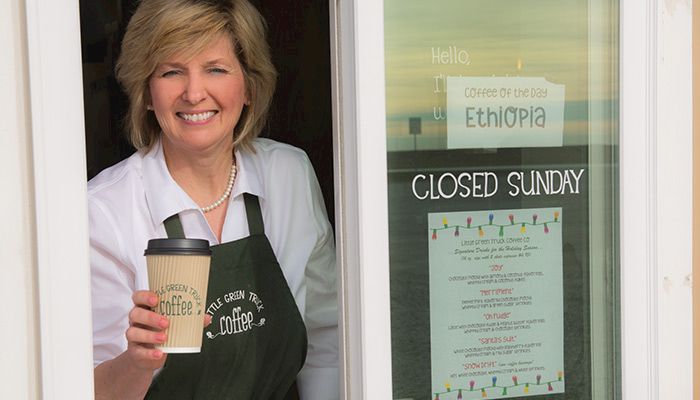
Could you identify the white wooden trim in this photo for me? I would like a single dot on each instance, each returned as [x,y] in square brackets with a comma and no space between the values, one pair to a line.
[58,137]
[361,196]
[656,199]
[674,152]
[20,368]
[638,201]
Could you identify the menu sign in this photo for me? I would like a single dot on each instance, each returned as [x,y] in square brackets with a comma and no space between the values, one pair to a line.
[496,303]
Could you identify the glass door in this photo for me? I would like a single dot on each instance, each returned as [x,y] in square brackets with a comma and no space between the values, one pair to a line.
[501,137]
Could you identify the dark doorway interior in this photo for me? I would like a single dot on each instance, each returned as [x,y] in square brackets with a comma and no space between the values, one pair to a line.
[301,113]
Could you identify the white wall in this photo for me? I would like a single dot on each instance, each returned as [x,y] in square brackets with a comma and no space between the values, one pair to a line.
[19,364]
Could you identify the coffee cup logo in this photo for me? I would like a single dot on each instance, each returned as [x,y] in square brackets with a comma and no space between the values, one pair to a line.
[179,300]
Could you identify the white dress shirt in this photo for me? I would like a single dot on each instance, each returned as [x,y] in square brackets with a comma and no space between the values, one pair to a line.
[129,201]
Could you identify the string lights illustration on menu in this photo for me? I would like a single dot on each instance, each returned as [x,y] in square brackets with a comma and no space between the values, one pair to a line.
[491,226]
[493,389]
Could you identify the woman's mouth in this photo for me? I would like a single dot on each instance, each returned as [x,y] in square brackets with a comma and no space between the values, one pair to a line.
[198,117]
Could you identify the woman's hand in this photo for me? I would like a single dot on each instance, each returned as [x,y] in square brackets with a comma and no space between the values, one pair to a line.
[129,375]
[146,329]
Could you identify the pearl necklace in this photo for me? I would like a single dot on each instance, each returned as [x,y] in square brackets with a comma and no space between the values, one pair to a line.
[229,187]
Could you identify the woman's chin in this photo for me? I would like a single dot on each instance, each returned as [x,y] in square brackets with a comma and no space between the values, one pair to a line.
[203,146]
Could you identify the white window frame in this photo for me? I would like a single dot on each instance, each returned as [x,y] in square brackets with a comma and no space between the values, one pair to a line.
[357,48]
[58,145]
[639,300]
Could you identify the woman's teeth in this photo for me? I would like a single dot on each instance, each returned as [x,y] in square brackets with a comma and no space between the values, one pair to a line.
[197,117]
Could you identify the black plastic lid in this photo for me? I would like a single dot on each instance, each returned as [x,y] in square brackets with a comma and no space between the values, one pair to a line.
[175,247]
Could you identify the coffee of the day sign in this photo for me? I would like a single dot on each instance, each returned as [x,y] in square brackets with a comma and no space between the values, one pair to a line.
[492,112]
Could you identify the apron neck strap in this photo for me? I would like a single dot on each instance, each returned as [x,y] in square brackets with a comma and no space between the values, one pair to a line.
[252,209]
[173,227]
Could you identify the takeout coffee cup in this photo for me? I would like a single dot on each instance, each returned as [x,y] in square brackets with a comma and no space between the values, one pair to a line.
[178,272]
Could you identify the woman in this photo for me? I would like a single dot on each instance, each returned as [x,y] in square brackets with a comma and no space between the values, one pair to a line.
[199,79]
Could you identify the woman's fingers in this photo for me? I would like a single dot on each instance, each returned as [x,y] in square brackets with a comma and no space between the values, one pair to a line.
[142,316]
[147,318]
[146,357]
[143,336]
[207,320]
[146,353]
[146,329]
[145,298]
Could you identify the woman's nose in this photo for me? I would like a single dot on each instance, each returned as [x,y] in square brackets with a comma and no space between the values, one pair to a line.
[195,91]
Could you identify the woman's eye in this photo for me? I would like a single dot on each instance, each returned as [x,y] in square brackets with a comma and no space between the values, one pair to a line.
[169,73]
[216,70]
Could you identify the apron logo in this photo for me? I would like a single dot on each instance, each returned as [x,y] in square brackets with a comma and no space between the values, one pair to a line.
[238,317]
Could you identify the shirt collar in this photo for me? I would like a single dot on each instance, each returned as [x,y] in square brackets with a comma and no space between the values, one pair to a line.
[166,198]
[163,195]
[248,174]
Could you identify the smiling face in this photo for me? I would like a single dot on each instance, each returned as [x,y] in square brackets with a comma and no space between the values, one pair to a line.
[198,101]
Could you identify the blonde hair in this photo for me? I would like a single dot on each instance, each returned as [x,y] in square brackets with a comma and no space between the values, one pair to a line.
[161,28]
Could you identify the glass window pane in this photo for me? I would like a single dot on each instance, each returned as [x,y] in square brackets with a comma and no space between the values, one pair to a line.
[502,169]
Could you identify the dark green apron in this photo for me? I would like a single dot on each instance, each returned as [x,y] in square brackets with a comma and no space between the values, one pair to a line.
[256,343]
